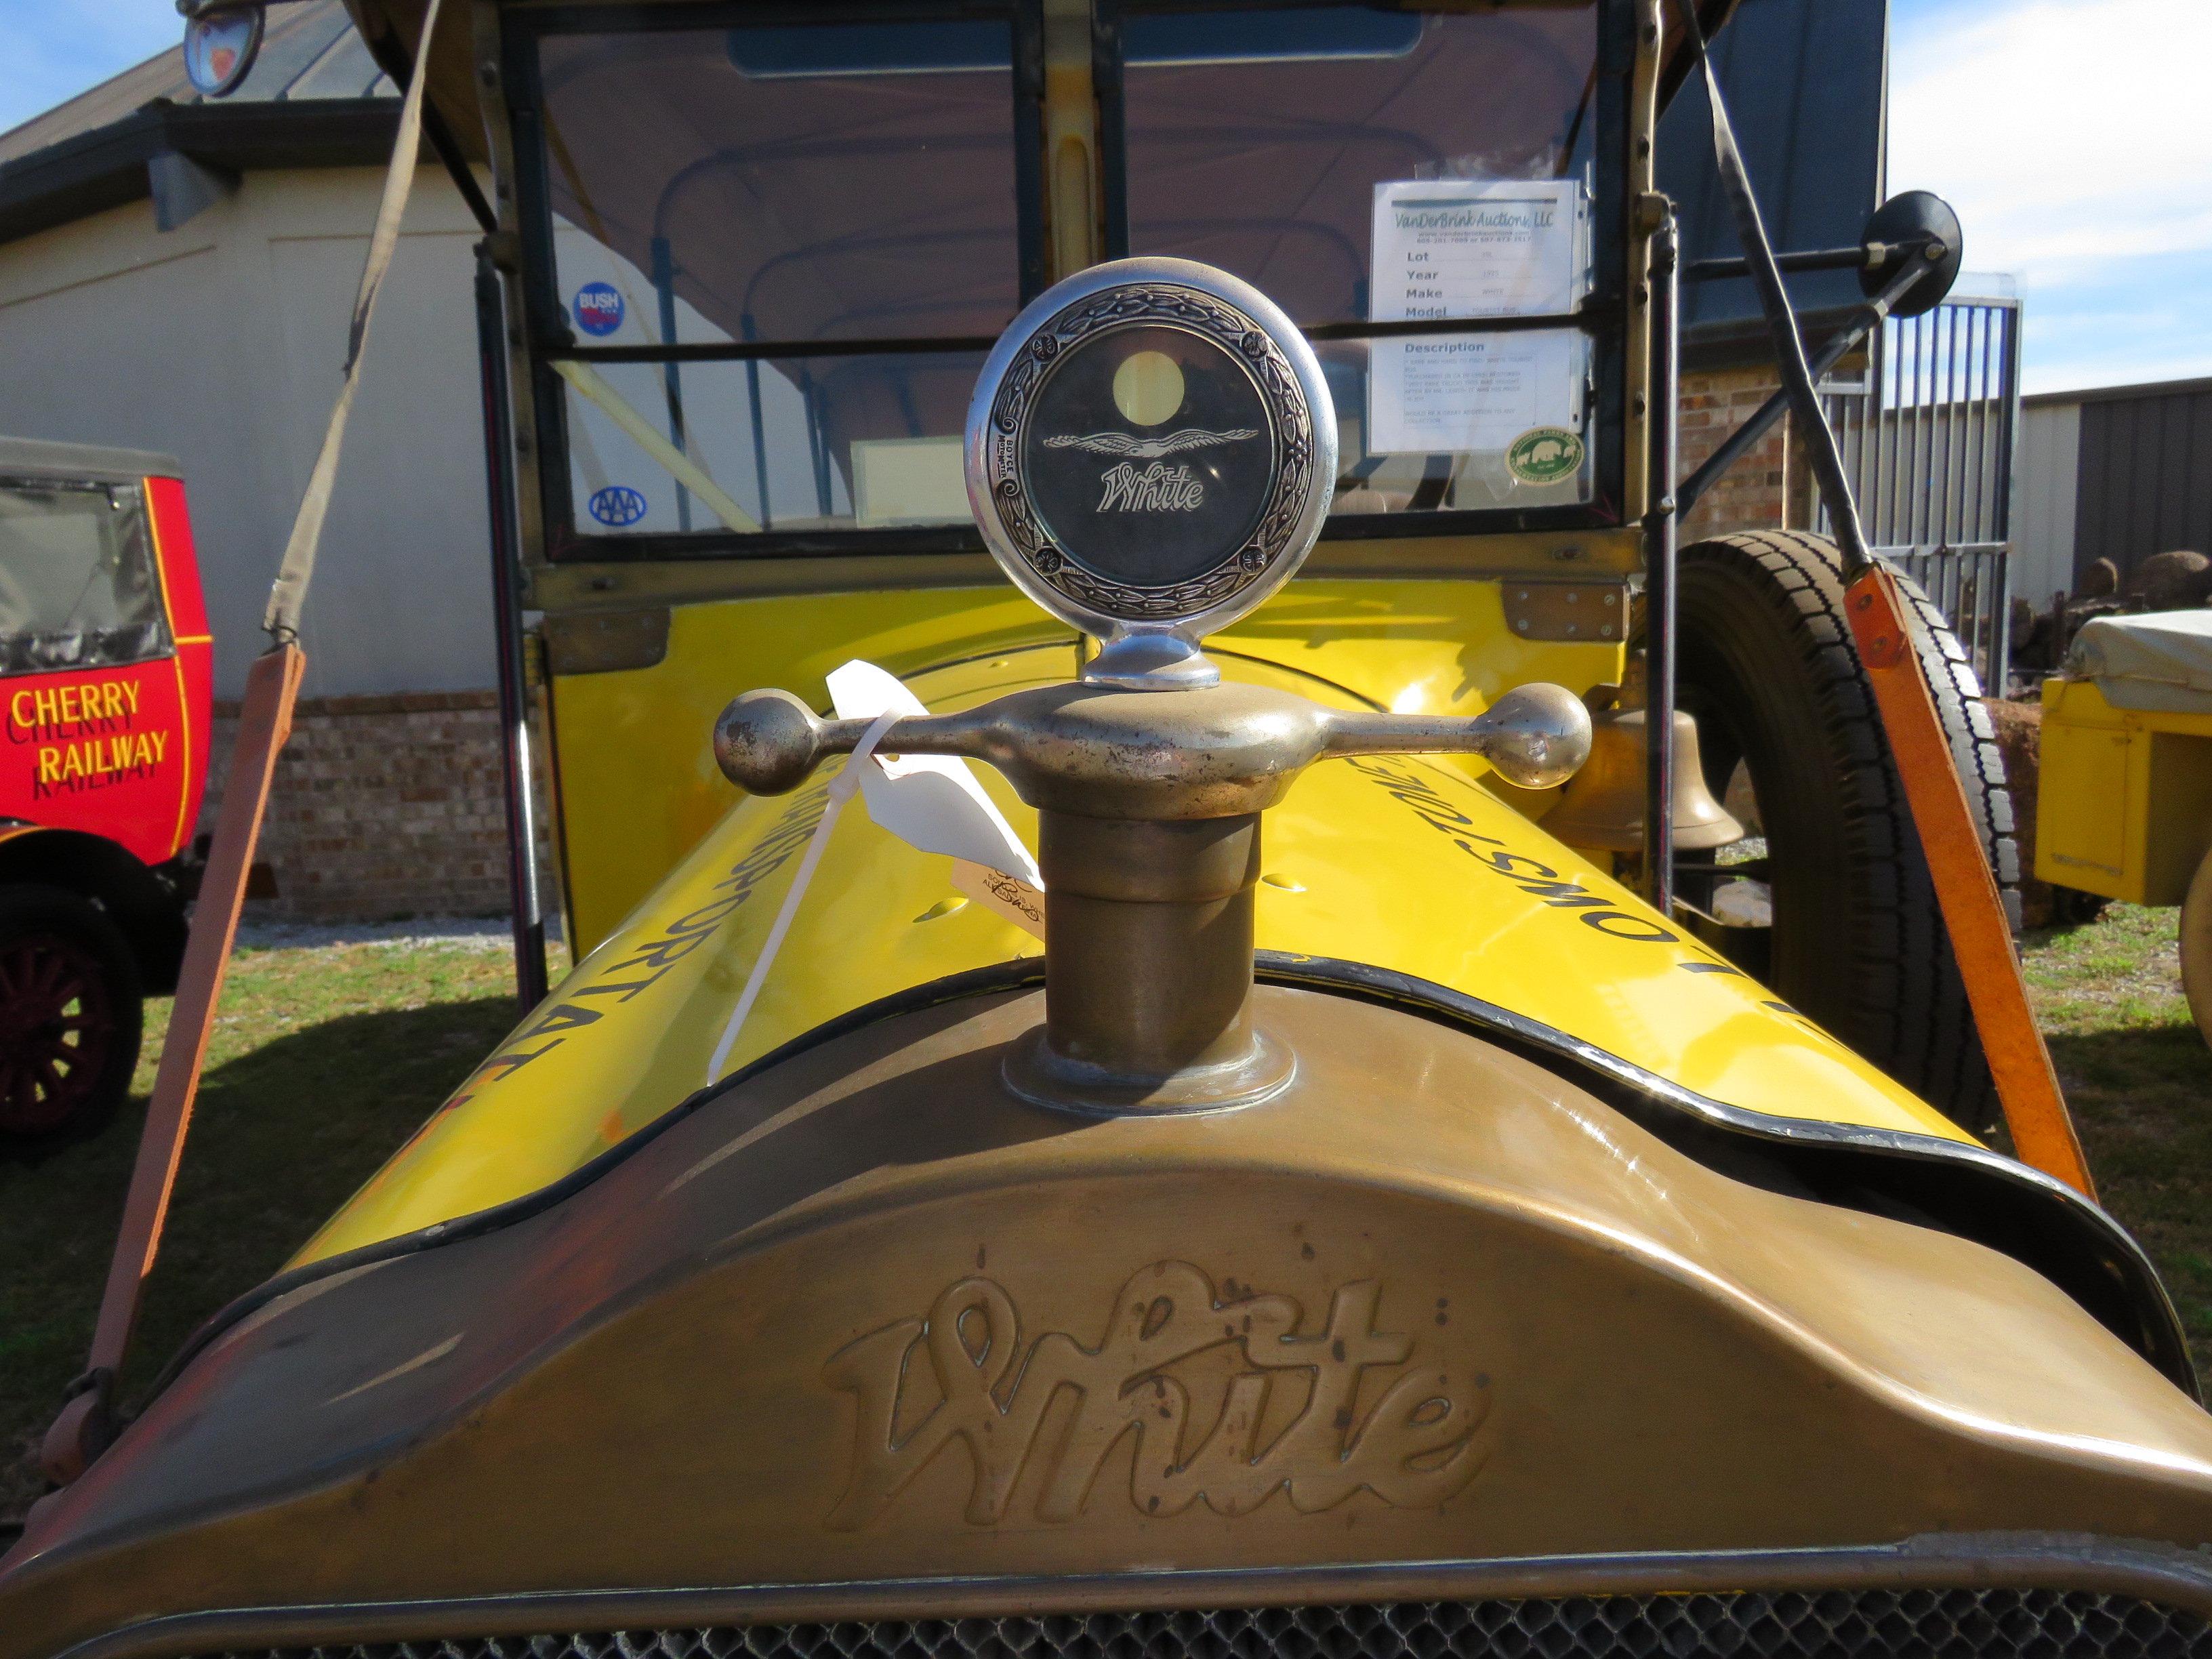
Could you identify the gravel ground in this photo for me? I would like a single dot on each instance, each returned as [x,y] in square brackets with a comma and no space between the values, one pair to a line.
[488,934]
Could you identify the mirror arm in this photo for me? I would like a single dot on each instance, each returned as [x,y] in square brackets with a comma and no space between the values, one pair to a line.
[1867,256]
[1846,339]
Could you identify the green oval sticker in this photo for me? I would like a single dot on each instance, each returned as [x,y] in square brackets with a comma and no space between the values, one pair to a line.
[1545,454]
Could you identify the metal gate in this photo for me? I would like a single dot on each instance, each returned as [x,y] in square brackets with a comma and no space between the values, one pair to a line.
[1928,441]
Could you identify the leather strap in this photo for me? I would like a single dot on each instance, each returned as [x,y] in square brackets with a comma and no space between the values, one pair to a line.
[1973,913]
[289,593]
[86,1423]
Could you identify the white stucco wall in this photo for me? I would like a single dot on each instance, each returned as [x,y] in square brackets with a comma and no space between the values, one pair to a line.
[220,343]
[2049,473]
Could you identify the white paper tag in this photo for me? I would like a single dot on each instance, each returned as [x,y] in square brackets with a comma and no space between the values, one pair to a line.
[1017,901]
[1450,393]
[933,802]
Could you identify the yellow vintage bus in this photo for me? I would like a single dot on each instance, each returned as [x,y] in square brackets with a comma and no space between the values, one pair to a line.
[1090,1113]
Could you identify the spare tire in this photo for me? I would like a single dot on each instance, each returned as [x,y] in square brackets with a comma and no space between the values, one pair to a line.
[1768,667]
[2196,947]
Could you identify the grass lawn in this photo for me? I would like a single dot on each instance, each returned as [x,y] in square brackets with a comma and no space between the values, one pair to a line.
[2139,1079]
[325,1059]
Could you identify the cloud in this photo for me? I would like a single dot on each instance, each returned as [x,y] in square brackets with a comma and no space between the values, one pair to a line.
[2153,322]
[2072,136]
[2069,135]
[59,48]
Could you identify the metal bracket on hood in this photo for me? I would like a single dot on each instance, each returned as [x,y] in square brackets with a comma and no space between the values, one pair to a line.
[1577,612]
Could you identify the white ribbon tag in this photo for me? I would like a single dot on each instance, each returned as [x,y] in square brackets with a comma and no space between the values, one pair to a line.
[840,791]
[932,802]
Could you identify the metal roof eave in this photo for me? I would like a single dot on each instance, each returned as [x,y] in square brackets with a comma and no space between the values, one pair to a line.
[107,168]
[38,458]
[2186,387]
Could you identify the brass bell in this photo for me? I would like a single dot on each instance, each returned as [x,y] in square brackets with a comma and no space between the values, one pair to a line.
[1601,808]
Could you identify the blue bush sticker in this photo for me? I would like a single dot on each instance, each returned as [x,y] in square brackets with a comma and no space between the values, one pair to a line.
[598,309]
[618,505]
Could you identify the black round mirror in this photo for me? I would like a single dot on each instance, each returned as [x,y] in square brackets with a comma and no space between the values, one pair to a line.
[1902,225]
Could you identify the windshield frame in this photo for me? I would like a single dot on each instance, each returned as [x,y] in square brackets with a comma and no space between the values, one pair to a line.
[1603,314]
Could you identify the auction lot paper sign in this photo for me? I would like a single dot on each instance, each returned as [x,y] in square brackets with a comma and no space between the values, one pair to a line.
[1463,247]
[1439,393]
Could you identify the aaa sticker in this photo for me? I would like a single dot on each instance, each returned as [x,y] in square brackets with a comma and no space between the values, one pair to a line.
[1545,454]
[617,506]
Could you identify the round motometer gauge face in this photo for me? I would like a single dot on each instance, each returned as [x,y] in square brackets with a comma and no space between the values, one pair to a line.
[1151,449]
[1149,453]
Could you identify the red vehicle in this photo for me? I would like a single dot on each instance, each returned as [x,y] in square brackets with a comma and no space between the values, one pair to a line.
[105,682]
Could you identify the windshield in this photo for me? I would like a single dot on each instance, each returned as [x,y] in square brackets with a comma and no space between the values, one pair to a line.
[1360,165]
[800,184]
[77,587]
[1267,165]
[823,205]
[772,257]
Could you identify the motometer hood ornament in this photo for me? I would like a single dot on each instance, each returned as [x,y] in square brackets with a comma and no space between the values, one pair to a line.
[1150,453]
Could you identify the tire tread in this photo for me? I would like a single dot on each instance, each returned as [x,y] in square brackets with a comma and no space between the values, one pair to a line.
[1907,1008]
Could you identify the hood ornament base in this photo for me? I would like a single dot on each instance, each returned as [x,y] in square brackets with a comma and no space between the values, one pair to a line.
[1150,662]
[1036,1072]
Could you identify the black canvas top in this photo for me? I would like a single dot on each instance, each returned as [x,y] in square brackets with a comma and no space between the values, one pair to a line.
[1805,81]
[34,458]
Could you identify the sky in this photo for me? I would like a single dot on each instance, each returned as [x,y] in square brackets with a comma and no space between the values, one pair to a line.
[55,49]
[2073,137]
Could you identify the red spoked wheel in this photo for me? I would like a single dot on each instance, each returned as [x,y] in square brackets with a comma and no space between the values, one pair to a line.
[70,1016]
[56,1028]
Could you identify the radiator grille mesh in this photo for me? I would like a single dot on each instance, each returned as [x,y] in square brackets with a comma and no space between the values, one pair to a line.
[1830,1625]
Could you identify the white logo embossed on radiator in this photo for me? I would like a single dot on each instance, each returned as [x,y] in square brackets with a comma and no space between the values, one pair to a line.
[959,1382]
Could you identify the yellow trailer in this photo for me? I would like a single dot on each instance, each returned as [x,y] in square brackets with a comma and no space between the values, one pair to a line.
[2125,810]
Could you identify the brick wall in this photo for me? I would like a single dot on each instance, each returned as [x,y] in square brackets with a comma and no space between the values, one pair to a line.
[382,806]
[1762,490]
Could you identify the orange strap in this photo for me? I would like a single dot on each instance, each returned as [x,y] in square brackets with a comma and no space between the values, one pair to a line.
[2042,1131]
[86,1423]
